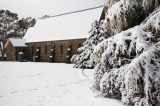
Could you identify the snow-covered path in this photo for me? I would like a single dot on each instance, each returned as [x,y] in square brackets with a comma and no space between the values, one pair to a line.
[46,84]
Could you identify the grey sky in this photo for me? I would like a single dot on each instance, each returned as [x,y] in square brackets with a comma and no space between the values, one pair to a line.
[38,8]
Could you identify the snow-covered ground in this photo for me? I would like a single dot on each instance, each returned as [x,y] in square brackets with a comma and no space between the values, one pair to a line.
[47,84]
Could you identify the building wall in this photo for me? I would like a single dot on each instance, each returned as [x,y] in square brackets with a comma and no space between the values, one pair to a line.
[1,58]
[10,52]
[43,49]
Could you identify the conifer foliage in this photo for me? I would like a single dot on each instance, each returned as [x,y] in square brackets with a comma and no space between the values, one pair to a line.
[12,27]
[127,61]
[96,35]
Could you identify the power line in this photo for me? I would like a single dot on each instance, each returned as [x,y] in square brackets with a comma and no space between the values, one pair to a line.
[72,12]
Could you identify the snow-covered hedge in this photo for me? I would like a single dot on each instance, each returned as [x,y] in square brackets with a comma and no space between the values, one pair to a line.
[128,64]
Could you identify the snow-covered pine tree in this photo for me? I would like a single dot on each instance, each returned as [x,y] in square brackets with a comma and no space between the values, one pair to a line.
[120,15]
[127,64]
[22,27]
[124,14]
[10,26]
[97,35]
[7,23]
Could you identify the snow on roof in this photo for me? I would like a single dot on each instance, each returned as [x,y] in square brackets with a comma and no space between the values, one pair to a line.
[70,26]
[18,42]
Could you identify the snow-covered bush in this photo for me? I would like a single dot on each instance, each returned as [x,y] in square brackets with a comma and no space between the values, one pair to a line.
[120,15]
[120,49]
[152,23]
[142,79]
[97,34]
[128,64]
[137,83]
[150,5]
[124,14]
[110,3]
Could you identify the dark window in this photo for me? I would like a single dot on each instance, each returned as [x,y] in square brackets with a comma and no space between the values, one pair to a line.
[39,47]
[52,46]
[46,49]
[32,50]
[69,46]
[61,47]
[79,45]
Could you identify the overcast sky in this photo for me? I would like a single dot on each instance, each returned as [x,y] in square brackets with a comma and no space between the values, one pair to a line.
[38,8]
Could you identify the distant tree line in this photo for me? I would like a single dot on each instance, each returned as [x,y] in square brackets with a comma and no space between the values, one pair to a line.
[13,27]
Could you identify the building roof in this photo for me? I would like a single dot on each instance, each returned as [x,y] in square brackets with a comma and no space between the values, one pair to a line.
[18,42]
[70,26]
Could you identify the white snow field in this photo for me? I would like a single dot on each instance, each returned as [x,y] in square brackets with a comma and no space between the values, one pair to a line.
[47,84]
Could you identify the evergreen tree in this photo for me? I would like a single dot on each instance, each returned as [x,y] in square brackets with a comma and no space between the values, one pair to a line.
[97,35]
[7,23]
[126,61]
[10,26]
[127,64]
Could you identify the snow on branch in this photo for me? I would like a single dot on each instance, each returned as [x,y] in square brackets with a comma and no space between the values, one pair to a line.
[128,64]
[134,82]
[97,35]
[124,14]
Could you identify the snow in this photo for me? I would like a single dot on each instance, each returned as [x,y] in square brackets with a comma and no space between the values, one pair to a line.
[116,8]
[18,42]
[47,84]
[117,46]
[146,68]
[70,26]
[153,21]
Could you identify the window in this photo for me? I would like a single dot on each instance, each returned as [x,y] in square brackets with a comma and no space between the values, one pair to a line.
[32,50]
[52,48]
[61,47]
[79,45]
[69,46]
[46,49]
[38,50]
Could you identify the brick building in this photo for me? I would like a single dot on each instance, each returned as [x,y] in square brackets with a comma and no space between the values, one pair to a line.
[57,39]
[54,39]
[53,51]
